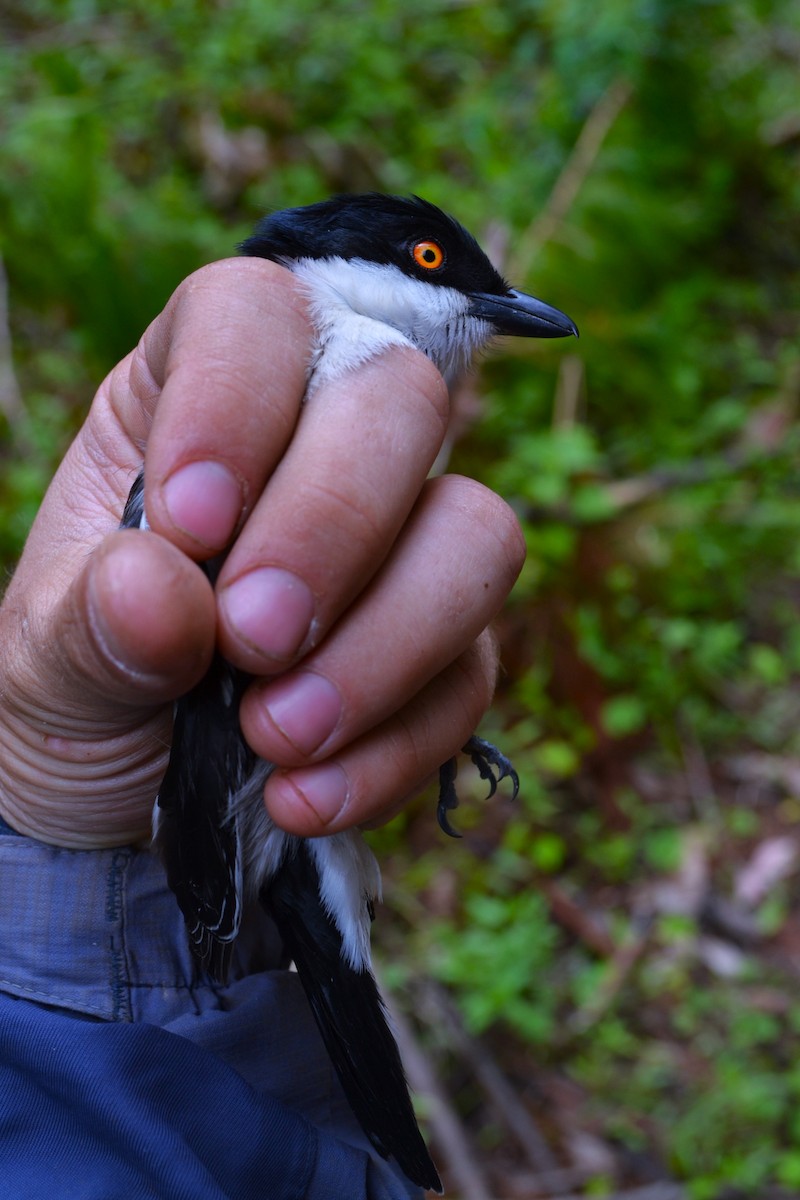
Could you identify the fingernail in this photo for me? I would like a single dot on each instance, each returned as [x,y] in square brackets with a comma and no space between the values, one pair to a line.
[204,499]
[325,789]
[271,611]
[305,709]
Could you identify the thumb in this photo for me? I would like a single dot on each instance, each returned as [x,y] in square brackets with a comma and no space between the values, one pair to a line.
[137,627]
[85,685]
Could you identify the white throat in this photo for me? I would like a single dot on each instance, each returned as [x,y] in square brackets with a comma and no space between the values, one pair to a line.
[360,308]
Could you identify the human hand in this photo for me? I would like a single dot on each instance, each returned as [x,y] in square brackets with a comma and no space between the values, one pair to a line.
[357,591]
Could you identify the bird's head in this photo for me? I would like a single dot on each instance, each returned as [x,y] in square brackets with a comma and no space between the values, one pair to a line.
[384,269]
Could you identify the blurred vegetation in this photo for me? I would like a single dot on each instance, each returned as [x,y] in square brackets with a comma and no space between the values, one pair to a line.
[625,940]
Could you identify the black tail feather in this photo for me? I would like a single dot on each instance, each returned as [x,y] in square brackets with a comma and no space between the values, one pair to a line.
[348,1009]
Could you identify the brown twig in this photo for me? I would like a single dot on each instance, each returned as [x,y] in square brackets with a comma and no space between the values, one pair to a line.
[570,398]
[546,1183]
[448,1131]
[625,495]
[517,1118]
[572,917]
[573,175]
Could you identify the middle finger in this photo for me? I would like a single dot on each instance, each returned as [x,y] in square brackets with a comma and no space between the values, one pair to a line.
[332,510]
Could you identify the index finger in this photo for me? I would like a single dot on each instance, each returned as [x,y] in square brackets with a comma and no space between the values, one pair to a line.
[333,508]
[229,364]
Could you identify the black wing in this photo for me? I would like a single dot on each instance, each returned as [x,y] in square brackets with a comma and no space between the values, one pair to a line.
[196,833]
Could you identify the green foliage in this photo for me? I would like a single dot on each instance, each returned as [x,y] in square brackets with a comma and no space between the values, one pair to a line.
[640,158]
[496,961]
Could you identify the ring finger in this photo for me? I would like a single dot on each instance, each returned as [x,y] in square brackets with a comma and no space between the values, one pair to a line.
[448,575]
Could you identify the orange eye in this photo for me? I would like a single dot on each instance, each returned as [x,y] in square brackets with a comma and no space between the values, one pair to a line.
[429,255]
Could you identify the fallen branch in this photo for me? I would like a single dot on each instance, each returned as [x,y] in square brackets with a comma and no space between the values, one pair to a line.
[516,1116]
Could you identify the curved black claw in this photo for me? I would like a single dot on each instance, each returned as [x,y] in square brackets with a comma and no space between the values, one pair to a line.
[492,765]
[448,798]
[488,759]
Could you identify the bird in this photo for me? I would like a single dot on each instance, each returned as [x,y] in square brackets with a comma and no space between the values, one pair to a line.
[377,270]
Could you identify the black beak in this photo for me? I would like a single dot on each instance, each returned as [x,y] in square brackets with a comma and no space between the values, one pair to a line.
[521,315]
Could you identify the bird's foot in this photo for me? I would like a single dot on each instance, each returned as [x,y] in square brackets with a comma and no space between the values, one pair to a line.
[493,766]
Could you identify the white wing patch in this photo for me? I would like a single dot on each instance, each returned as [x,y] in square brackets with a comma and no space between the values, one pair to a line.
[349,879]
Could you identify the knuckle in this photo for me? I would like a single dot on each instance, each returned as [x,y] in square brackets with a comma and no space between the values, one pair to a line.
[343,515]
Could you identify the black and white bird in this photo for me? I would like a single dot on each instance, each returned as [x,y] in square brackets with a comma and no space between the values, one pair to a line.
[377,271]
